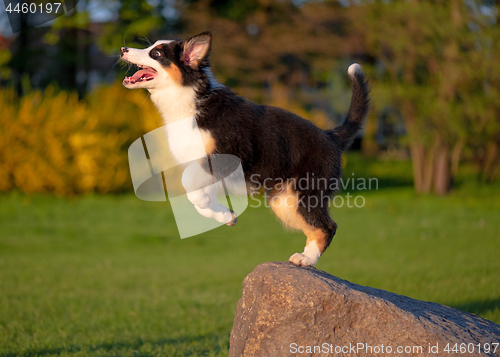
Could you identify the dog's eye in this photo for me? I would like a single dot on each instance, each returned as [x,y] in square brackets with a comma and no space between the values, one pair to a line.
[155,53]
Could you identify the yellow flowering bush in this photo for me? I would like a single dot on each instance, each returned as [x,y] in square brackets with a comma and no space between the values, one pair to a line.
[52,142]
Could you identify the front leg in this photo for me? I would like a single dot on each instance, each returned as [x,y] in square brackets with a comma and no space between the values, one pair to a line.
[202,193]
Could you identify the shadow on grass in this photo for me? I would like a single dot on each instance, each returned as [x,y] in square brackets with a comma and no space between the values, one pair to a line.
[201,345]
[479,307]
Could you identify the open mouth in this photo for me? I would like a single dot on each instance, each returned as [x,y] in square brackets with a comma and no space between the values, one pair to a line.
[144,74]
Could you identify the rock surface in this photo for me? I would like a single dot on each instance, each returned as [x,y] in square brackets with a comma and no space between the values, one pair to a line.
[287,310]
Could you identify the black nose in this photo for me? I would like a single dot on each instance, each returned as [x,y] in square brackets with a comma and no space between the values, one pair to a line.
[124,49]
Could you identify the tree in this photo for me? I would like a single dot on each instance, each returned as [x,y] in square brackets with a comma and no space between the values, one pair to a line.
[278,52]
[134,20]
[433,62]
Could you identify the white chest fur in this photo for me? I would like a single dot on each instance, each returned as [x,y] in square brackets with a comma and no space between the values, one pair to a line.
[176,105]
[186,141]
[174,102]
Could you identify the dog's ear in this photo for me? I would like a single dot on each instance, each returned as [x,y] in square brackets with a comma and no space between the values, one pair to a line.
[196,49]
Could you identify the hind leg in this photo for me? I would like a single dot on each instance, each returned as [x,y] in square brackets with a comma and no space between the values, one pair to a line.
[313,220]
[317,241]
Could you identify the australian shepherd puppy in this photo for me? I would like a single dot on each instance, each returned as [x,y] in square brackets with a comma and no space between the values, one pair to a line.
[272,144]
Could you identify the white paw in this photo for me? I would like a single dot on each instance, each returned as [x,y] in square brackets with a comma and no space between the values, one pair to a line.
[302,260]
[233,221]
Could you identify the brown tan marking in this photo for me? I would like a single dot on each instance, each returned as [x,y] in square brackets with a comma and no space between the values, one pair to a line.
[175,73]
[284,204]
[318,236]
[208,142]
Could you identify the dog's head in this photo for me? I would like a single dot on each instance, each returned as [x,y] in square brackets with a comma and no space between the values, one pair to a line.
[169,63]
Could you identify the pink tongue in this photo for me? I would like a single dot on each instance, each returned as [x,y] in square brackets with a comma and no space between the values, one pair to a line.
[141,73]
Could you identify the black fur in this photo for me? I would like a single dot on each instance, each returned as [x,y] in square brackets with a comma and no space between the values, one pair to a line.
[172,53]
[358,110]
[272,142]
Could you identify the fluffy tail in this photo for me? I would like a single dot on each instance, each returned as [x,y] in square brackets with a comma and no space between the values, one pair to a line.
[358,110]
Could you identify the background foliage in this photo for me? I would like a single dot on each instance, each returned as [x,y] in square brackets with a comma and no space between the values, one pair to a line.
[61,144]
[434,68]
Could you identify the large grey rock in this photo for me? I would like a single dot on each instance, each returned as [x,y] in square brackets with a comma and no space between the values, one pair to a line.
[287,310]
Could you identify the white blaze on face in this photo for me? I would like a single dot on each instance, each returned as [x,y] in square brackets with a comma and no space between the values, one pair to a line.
[151,74]
[174,100]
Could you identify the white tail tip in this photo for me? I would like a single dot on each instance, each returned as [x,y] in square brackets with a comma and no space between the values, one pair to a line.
[353,69]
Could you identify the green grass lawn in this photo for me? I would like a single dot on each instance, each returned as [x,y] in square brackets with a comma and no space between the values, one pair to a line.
[108,275]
